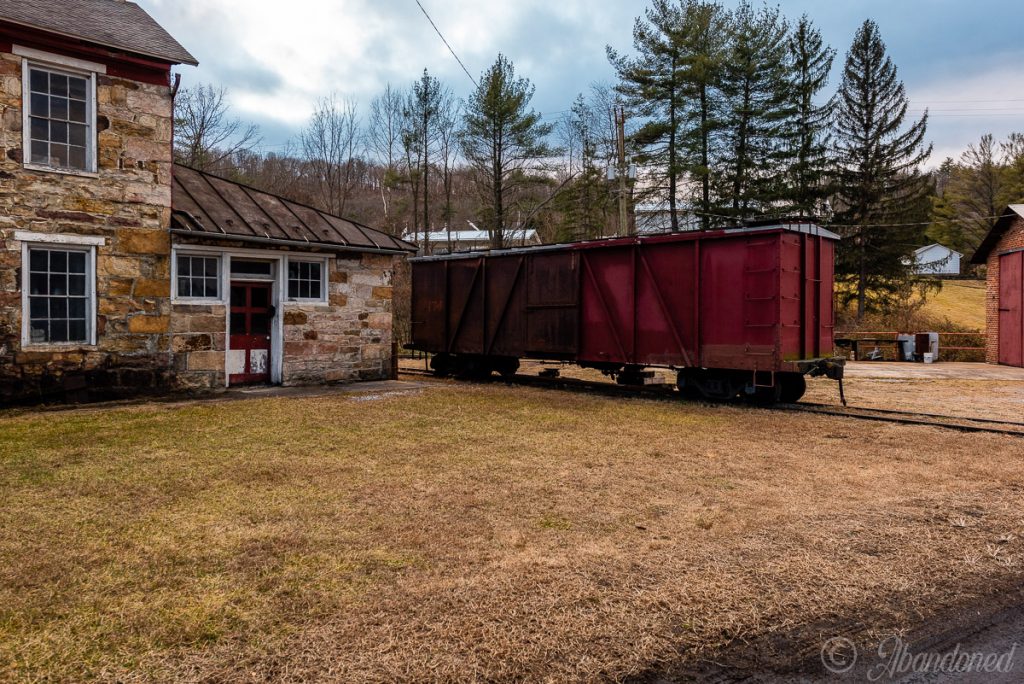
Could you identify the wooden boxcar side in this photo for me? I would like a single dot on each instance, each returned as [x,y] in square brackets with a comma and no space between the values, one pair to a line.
[754,299]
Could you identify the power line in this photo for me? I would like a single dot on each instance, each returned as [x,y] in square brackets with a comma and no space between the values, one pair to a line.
[422,9]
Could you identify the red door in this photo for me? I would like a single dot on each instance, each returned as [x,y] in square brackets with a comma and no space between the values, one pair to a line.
[1011,309]
[249,346]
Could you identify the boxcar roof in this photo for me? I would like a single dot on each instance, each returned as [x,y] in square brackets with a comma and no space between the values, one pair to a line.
[207,206]
[807,228]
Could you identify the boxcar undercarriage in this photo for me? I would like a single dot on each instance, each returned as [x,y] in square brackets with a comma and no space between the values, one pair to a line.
[710,384]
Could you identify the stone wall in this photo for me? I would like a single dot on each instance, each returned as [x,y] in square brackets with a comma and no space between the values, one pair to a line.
[198,343]
[347,339]
[127,203]
[350,337]
[1012,239]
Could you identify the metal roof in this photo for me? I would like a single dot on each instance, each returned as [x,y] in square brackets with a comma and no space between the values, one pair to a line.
[208,206]
[1001,225]
[118,24]
[921,250]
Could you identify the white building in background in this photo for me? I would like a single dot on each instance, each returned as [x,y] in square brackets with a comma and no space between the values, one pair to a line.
[474,238]
[936,259]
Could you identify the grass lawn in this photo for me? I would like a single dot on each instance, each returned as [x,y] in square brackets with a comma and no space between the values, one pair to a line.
[960,301]
[459,532]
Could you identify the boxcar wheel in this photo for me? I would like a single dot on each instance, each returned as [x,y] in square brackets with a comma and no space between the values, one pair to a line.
[506,367]
[793,387]
[443,365]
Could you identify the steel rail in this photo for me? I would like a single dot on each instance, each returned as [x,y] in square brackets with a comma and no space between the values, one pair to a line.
[668,392]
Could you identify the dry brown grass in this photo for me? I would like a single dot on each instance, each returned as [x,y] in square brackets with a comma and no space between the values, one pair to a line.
[467,532]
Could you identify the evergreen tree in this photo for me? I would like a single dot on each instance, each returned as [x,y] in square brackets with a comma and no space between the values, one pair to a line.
[1013,168]
[652,86]
[756,88]
[703,43]
[974,191]
[879,186]
[809,137]
[672,85]
[503,140]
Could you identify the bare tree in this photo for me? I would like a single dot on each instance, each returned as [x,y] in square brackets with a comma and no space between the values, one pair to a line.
[448,117]
[421,114]
[384,140]
[206,137]
[331,145]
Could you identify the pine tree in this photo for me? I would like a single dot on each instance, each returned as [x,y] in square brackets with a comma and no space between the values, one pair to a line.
[756,88]
[879,185]
[503,140]
[652,87]
[672,85]
[974,192]
[702,46]
[809,137]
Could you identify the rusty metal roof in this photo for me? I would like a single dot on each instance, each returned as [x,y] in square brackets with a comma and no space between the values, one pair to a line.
[116,24]
[209,206]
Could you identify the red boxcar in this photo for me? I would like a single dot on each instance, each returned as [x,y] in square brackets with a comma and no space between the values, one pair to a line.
[744,311]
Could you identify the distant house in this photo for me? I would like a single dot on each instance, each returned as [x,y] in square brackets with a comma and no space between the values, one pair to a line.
[936,259]
[1002,251]
[472,239]
[123,273]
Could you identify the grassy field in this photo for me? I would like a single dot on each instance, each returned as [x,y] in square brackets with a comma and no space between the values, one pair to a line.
[454,532]
[960,301]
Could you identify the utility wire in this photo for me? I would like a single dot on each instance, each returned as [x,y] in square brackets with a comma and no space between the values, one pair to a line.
[438,31]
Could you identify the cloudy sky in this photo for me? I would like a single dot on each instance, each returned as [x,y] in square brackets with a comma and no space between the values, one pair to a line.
[962,59]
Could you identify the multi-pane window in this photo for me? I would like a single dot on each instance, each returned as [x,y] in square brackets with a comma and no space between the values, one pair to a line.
[198,277]
[60,119]
[58,295]
[305,280]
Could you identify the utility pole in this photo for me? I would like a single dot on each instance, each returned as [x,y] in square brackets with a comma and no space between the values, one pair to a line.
[620,131]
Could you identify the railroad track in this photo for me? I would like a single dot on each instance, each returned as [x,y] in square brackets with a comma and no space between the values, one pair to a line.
[668,392]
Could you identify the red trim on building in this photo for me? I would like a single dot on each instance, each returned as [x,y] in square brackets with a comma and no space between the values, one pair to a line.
[119,64]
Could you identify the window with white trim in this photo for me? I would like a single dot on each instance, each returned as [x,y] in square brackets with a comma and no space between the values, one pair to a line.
[60,118]
[60,295]
[197,277]
[306,280]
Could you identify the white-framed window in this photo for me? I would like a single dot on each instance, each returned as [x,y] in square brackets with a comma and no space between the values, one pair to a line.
[307,280]
[59,117]
[58,289]
[197,277]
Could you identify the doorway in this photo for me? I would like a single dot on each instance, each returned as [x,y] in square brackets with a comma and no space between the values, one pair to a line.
[249,333]
[1011,309]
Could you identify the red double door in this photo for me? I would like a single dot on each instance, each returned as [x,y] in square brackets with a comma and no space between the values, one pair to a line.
[1011,309]
[249,344]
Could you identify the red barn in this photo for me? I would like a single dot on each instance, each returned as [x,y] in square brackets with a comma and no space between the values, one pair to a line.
[1002,251]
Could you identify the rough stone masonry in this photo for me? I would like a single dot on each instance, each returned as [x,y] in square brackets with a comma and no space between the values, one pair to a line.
[128,202]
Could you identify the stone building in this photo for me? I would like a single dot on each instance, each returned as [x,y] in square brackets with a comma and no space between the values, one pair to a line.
[1002,252]
[121,273]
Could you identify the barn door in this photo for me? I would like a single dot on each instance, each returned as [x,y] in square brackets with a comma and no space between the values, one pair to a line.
[1011,309]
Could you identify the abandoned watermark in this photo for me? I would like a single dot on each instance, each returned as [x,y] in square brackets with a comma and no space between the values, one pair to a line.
[895,658]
